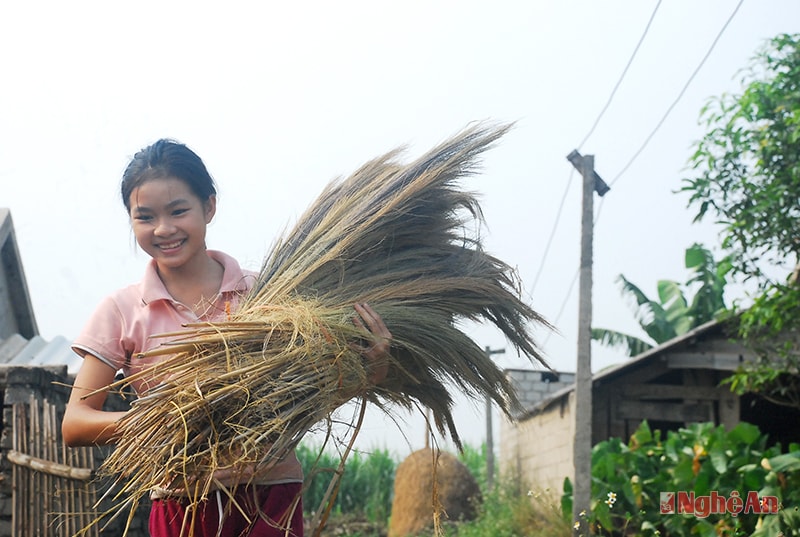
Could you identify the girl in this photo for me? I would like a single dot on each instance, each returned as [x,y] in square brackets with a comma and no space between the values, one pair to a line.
[171,198]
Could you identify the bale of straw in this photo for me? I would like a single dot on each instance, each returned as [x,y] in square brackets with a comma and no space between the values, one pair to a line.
[428,482]
[403,237]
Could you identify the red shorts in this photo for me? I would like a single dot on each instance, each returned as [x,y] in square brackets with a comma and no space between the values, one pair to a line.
[273,511]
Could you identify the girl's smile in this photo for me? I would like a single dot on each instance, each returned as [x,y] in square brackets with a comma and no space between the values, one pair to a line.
[171,246]
[169,222]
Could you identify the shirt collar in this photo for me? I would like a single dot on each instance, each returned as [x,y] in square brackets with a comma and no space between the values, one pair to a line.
[234,279]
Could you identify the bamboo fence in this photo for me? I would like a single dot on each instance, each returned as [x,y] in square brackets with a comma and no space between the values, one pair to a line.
[53,490]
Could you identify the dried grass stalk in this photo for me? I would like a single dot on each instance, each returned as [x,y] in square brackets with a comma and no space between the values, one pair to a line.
[402,237]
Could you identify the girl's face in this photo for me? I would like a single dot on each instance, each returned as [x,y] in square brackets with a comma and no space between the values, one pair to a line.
[169,221]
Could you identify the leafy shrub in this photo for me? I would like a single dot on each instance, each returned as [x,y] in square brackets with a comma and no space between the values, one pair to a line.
[628,479]
[506,512]
[509,509]
[475,461]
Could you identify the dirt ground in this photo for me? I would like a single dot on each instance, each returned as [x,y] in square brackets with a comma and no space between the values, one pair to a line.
[341,526]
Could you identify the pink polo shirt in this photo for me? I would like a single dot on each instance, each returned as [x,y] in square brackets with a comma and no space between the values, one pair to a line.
[124,322]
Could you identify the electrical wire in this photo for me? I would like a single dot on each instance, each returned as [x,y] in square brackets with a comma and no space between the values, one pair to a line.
[552,234]
[554,322]
[680,95]
[591,131]
[622,76]
[646,142]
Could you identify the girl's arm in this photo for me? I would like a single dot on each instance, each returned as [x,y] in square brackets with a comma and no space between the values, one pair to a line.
[85,422]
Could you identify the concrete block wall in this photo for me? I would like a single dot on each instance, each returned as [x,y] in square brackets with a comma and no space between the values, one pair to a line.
[538,450]
[533,386]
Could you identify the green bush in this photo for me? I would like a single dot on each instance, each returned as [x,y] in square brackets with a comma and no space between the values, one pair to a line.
[508,509]
[507,512]
[475,461]
[628,479]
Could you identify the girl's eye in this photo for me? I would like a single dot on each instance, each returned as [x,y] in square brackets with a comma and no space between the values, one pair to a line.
[178,212]
[142,218]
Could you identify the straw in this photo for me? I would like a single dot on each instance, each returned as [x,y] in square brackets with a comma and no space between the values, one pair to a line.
[404,238]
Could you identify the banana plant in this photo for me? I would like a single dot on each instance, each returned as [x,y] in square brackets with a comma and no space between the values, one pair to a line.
[672,314]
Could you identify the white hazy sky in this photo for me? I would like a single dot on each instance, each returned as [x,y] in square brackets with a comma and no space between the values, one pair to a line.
[279,98]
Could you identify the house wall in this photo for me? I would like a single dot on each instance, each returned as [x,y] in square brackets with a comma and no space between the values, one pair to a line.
[538,449]
[670,387]
[538,446]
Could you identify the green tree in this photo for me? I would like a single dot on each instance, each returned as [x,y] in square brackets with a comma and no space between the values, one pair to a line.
[747,177]
[673,315]
[748,164]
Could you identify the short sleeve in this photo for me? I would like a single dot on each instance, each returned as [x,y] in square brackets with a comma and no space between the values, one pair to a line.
[103,335]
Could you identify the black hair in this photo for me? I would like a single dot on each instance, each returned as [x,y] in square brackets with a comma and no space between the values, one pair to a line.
[163,159]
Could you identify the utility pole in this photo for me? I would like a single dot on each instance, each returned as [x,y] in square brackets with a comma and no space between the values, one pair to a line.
[489,432]
[582,454]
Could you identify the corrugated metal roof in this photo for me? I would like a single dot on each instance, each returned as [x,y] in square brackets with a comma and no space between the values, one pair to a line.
[16,350]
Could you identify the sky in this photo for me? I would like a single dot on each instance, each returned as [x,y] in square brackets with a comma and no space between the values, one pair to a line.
[279,98]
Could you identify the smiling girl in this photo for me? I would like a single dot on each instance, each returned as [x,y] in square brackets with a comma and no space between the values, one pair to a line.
[170,198]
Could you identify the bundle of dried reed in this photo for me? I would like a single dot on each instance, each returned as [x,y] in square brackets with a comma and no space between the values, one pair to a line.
[402,237]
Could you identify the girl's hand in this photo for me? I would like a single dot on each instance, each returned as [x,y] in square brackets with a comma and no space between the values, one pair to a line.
[375,352]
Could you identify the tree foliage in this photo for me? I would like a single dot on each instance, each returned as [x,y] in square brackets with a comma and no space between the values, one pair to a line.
[747,177]
[747,166]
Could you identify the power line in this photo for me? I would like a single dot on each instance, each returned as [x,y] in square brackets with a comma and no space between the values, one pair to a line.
[647,140]
[554,322]
[591,131]
[552,234]
[622,76]
[680,95]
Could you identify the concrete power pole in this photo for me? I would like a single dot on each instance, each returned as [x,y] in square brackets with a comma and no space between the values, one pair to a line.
[582,487]
[489,431]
